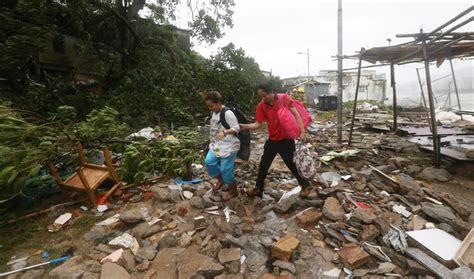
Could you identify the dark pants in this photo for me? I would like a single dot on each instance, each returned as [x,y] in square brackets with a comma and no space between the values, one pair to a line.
[286,149]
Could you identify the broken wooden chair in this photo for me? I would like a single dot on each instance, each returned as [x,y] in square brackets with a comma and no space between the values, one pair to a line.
[88,177]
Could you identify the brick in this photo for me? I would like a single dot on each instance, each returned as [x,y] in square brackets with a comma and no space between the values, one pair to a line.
[283,248]
[353,256]
[309,218]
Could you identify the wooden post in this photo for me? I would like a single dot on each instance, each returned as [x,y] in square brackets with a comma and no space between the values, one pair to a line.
[394,88]
[356,95]
[455,85]
[434,130]
[423,97]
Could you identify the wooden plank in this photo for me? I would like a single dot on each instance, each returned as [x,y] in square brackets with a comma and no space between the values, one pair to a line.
[108,162]
[80,151]
[384,175]
[428,262]
[92,166]
[94,178]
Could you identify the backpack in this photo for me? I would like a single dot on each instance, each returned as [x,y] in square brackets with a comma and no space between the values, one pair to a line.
[244,136]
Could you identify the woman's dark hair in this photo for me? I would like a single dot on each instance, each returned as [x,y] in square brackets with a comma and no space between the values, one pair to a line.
[265,86]
[213,96]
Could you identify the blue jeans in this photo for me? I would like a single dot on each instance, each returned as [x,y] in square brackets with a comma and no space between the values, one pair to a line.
[223,167]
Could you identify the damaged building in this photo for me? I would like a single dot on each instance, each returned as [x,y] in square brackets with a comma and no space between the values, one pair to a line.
[372,85]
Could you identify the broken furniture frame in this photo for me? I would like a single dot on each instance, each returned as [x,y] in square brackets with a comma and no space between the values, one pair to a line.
[437,46]
[88,177]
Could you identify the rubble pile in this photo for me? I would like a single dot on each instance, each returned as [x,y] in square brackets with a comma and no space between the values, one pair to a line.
[354,222]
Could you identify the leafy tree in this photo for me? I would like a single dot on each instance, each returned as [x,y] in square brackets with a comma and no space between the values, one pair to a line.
[236,76]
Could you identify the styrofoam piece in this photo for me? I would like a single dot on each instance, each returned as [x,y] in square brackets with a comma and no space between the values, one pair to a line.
[437,241]
[63,219]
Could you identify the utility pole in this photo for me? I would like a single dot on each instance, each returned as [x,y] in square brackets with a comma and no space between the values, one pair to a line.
[307,60]
[307,53]
[339,72]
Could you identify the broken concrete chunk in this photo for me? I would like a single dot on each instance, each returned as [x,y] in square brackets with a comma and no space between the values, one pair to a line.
[369,233]
[432,174]
[229,255]
[74,268]
[407,183]
[111,270]
[165,263]
[428,262]
[113,257]
[333,210]
[286,203]
[185,240]
[125,241]
[353,256]
[143,266]
[34,274]
[363,215]
[146,253]
[283,248]
[212,249]
[463,272]
[386,267]
[415,268]
[460,208]
[443,214]
[285,265]
[416,223]
[384,220]
[199,222]
[131,217]
[167,240]
[400,162]
[199,202]
[309,218]
[190,264]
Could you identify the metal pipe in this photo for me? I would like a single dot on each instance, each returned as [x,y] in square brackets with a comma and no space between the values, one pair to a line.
[434,130]
[447,32]
[54,261]
[423,96]
[339,71]
[435,34]
[465,12]
[455,85]
[394,88]
[355,97]
[437,37]
[447,44]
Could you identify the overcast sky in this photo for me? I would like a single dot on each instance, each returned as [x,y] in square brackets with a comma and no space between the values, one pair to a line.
[274,31]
